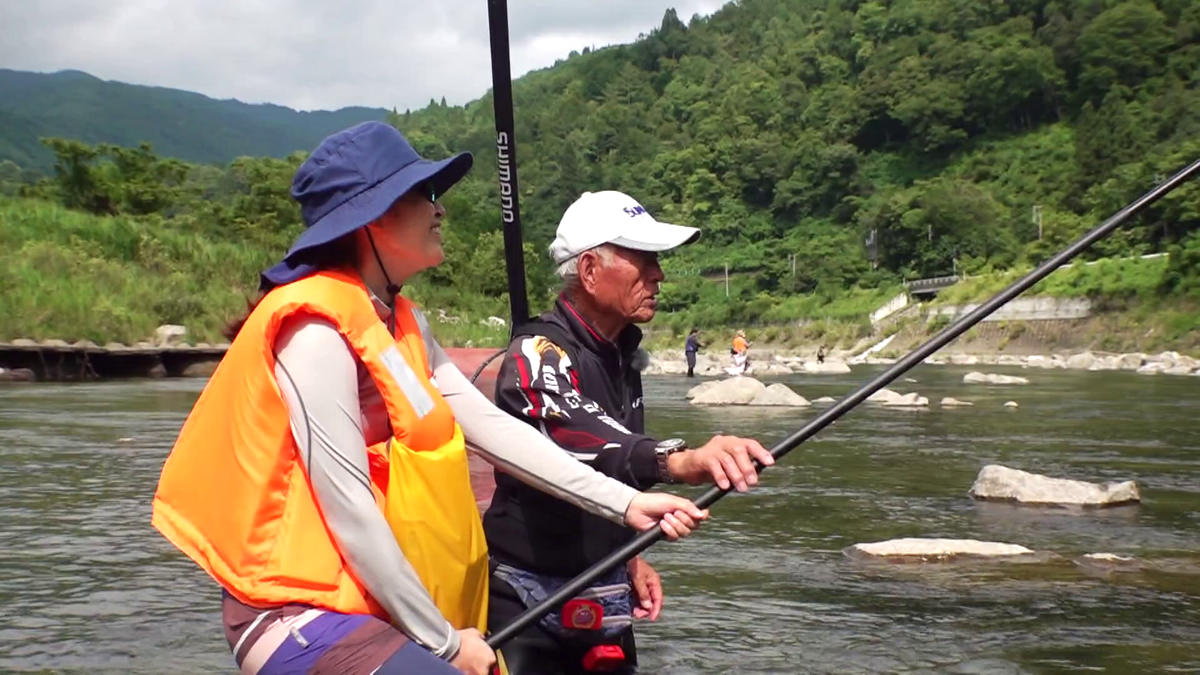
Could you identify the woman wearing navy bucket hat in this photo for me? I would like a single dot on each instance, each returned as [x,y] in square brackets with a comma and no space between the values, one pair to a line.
[321,478]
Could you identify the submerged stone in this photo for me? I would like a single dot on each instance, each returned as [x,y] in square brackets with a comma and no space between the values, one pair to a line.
[917,549]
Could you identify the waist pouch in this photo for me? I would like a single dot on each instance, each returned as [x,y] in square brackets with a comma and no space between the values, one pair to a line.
[612,592]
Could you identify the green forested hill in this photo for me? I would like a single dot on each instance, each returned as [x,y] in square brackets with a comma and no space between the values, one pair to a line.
[778,116]
[828,148]
[177,123]
[866,141]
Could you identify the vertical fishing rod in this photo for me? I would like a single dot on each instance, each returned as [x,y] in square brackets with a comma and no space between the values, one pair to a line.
[506,162]
[649,537]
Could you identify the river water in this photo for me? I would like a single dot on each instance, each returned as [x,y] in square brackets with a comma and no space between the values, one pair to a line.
[87,585]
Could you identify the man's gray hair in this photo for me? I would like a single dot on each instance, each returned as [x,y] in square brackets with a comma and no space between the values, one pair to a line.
[568,270]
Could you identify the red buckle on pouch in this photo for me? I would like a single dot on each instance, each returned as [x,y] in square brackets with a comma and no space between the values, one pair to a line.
[582,614]
[603,657]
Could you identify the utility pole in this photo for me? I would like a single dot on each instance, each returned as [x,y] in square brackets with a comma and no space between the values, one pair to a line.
[1037,219]
[727,280]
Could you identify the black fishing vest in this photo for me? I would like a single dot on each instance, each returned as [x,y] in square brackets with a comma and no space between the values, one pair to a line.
[531,530]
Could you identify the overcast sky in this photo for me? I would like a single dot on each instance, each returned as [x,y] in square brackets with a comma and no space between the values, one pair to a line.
[313,54]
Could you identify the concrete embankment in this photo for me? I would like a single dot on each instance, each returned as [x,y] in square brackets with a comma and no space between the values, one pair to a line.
[58,360]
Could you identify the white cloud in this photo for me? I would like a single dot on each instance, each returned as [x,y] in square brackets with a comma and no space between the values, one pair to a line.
[314,54]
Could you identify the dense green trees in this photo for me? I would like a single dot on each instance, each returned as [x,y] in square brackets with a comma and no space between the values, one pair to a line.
[934,126]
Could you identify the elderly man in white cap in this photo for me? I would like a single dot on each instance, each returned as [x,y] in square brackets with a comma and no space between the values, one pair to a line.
[574,373]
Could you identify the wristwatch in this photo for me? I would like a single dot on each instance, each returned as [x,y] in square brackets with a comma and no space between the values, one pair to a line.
[662,451]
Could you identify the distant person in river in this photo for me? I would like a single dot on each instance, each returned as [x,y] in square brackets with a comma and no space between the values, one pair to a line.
[321,478]
[740,346]
[574,373]
[741,353]
[821,354]
[690,347]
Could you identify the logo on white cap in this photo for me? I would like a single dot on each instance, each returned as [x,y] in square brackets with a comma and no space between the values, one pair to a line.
[612,217]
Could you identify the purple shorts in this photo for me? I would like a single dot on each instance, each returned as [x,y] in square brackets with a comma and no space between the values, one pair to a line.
[303,640]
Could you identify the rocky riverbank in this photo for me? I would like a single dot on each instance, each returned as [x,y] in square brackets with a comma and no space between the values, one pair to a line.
[1166,363]
[766,363]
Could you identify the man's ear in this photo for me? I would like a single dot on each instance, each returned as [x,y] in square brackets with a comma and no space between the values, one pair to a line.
[589,268]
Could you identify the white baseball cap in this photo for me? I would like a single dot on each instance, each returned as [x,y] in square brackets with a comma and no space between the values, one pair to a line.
[612,217]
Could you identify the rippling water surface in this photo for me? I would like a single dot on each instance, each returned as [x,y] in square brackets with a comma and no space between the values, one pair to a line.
[87,585]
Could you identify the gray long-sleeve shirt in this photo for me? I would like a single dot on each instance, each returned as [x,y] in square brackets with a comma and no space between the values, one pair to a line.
[336,412]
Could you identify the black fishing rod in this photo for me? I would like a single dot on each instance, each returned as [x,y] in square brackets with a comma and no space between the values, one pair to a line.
[648,538]
[506,162]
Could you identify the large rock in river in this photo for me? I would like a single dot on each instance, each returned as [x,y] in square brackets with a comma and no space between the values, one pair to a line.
[898,400]
[733,391]
[780,394]
[884,396]
[976,377]
[1001,483]
[911,400]
[915,549]
[744,391]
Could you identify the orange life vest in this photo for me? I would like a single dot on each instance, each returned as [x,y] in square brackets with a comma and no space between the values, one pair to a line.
[233,495]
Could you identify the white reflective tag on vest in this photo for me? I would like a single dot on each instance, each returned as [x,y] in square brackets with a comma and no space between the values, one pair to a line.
[404,376]
[423,324]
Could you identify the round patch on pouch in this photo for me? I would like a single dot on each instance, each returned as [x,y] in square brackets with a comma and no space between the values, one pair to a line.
[583,615]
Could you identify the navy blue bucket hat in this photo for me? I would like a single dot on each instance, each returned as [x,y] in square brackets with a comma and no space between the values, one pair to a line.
[350,180]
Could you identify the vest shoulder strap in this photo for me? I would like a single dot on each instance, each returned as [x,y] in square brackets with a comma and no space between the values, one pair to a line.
[333,294]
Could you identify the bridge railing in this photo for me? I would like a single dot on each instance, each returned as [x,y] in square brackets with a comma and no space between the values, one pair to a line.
[932,283]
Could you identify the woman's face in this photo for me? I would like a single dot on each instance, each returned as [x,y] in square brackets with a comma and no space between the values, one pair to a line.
[409,236]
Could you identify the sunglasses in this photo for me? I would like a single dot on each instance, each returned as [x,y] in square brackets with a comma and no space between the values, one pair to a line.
[426,189]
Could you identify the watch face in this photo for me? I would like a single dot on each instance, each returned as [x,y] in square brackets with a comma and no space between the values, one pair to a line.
[671,444]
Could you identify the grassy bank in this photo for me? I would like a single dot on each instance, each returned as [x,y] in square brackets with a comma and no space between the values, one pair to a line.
[1109,279]
[74,276]
[71,275]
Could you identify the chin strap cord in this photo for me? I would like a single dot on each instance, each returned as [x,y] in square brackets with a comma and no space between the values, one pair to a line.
[392,290]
